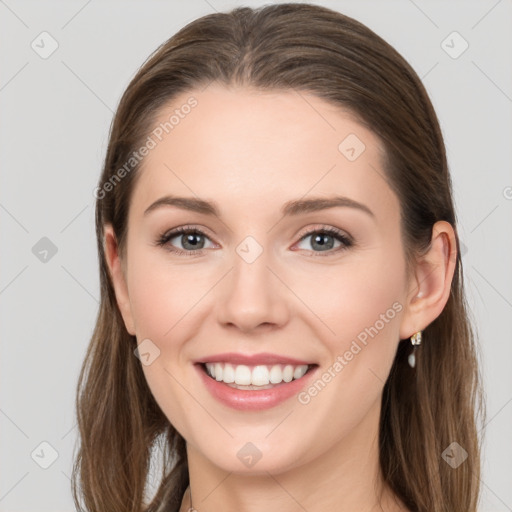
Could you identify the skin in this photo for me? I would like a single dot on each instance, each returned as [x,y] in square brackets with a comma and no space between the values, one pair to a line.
[251,152]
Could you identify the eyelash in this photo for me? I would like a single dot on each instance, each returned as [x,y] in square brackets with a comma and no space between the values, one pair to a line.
[165,237]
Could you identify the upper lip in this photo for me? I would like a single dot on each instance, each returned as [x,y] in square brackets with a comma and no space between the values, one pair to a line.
[262,358]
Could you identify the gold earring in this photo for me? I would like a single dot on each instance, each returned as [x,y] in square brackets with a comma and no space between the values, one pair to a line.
[415,341]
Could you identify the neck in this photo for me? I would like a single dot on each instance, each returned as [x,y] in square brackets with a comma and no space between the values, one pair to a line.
[347,477]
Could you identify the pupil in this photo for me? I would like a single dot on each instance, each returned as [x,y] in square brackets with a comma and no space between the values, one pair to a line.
[319,239]
[189,239]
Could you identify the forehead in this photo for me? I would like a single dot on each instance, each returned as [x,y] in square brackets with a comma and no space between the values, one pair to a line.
[241,147]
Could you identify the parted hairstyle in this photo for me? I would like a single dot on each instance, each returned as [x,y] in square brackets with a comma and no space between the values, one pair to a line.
[317,50]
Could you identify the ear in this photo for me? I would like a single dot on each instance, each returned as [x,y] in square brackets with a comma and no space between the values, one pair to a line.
[117,274]
[430,287]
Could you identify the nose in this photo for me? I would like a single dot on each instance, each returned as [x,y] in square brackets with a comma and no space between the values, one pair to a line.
[253,296]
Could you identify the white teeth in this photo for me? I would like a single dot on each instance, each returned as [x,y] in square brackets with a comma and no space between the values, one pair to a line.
[276,374]
[218,371]
[288,373]
[229,374]
[299,371]
[242,374]
[260,375]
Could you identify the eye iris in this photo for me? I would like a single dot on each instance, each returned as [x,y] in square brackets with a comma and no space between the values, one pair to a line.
[319,238]
[189,239]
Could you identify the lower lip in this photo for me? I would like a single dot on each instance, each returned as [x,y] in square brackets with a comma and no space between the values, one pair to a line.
[254,400]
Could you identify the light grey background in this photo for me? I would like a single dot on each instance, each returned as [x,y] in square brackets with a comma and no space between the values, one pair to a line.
[56,113]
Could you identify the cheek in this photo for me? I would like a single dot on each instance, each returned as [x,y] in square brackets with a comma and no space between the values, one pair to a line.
[163,296]
[165,301]
[350,297]
[374,314]
[361,303]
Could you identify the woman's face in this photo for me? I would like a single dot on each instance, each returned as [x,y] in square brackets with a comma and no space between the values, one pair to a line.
[273,278]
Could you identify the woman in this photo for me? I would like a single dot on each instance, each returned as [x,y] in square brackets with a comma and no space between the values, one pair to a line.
[282,307]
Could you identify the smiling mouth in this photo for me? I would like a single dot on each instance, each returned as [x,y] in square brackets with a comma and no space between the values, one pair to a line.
[255,377]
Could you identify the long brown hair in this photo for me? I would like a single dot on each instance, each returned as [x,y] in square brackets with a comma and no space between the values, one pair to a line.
[317,50]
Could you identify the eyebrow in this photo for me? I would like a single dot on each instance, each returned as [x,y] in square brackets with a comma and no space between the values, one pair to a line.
[290,208]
